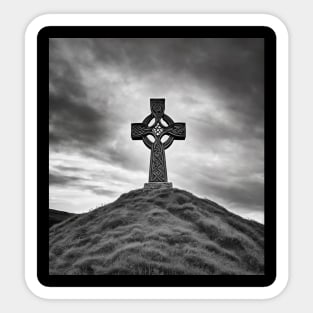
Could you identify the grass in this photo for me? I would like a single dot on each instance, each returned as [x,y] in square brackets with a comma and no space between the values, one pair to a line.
[58,216]
[157,232]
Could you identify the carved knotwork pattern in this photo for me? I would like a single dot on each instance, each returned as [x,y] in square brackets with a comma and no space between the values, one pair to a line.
[178,130]
[138,130]
[158,168]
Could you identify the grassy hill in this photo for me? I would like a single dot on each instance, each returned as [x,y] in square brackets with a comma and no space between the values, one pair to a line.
[157,232]
[58,216]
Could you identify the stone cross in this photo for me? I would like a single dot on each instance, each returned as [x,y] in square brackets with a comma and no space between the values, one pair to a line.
[161,125]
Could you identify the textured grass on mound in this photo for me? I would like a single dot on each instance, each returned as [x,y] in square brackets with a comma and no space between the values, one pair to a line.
[157,232]
[58,216]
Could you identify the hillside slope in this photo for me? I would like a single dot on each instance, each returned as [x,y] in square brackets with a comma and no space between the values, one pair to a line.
[157,232]
[56,216]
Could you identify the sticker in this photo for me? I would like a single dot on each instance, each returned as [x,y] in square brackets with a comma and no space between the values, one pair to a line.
[156,156]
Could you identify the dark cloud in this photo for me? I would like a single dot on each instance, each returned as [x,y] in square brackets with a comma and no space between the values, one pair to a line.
[98,190]
[62,168]
[234,66]
[56,179]
[73,123]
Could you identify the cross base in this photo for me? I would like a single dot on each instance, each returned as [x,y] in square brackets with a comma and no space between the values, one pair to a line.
[158,185]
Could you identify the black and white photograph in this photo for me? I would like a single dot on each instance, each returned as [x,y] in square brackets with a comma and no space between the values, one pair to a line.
[156,156]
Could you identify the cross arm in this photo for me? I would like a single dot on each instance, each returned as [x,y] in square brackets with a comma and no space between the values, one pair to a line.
[177,130]
[139,130]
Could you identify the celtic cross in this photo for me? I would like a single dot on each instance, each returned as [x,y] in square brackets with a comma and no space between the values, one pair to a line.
[161,126]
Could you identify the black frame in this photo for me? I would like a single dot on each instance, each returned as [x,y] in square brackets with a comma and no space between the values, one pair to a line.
[269,151]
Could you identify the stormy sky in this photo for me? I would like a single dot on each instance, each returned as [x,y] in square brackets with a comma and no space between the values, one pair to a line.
[99,86]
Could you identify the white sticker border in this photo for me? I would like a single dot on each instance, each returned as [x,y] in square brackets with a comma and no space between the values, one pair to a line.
[31,156]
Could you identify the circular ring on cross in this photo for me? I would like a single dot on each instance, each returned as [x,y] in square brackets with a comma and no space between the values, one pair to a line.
[157,130]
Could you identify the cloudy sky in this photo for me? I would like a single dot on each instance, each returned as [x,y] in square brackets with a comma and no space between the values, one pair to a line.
[98,87]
